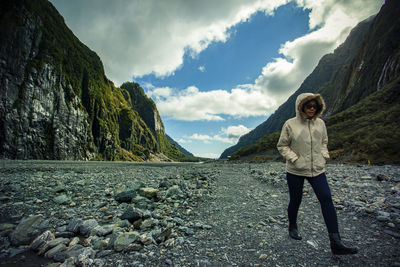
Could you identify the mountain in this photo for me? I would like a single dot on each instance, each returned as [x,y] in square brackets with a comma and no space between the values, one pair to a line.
[183,150]
[56,101]
[364,63]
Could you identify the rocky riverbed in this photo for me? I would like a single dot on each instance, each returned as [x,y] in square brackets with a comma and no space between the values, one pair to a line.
[185,214]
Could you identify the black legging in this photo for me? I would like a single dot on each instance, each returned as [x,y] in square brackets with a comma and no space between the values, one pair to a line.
[321,189]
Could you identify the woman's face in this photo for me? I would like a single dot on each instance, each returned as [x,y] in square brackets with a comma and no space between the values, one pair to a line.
[310,108]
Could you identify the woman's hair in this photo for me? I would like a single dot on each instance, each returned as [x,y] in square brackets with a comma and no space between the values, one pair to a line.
[319,106]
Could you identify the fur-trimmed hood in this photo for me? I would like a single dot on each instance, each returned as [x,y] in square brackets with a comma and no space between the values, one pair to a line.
[304,98]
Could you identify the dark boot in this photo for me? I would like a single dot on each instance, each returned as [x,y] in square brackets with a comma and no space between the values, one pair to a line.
[293,232]
[338,247]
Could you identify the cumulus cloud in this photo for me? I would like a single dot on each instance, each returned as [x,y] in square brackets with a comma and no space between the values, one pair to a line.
[235,131]
[331,22]
[134,38]
[228,135]
[201,137]
[208,155]
[191,104]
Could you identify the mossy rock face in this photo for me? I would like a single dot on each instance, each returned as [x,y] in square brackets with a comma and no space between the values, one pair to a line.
[58,94]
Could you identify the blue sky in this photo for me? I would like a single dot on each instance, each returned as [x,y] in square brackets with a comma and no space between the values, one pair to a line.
[215,69]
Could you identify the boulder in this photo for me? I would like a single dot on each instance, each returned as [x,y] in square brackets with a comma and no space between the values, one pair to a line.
[27,230]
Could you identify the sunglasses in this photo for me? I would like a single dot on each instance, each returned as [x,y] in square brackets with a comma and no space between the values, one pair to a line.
[310,106]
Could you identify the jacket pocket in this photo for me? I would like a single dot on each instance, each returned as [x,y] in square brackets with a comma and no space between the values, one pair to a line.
[300,163]
[319,162]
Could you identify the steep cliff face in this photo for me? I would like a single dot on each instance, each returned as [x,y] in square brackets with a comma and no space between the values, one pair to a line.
[56,102]
[147,110]
[145,106]
[39,119]
[366,62]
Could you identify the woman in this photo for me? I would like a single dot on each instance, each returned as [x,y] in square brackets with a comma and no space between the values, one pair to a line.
[303,143]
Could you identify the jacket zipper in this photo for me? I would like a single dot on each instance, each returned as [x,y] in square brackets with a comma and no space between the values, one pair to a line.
[312,159]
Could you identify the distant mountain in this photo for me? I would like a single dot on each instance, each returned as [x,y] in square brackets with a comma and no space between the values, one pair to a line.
[184,151]
[57,103]
[360,83]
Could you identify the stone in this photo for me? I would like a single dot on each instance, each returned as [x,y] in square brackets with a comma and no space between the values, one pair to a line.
[74,251]
[41,240]
[392,233]
[50,254]
[69,262]
[74,225]
[86,253]
[147,239]
[263,256]
[131,215]
[62,199]
[87,226]
[60,188]
[141,202]
[52,243]
[164,235]
[125,196]
[74,241]
[27,230]
[174,192]
[381,177]
[102,230]
[59,256]
[148,192]
[148,223]
[123,240]
[101,244]
[6,226]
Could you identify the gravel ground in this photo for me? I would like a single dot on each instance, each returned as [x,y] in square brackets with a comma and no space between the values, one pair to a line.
[211,214]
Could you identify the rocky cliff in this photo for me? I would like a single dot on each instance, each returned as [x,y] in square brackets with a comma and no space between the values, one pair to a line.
[367,61]
[55,100]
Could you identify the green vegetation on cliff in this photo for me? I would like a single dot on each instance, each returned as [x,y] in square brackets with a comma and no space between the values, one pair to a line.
[360,84]
[366,132]
[123,122]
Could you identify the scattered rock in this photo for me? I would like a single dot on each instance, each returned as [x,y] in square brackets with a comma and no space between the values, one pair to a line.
[62,199]
[27,230]
[125,196]
[123,240]
[148,192]
[131,214]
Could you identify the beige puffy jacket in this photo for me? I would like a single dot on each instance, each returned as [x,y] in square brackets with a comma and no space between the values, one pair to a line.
[303,142]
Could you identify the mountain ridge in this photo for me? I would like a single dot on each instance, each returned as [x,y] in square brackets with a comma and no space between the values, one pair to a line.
[373,66]
[336,74]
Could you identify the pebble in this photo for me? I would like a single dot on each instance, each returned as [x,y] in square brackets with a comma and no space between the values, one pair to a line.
[141,213]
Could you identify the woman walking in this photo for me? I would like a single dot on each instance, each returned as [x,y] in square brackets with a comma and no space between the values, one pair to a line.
[304,144]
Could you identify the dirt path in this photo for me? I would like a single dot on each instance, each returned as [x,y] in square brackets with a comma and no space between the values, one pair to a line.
[248,227]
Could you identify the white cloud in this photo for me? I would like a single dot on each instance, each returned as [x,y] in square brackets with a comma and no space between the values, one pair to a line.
[208,155]
[201,137]
[228,135]
[235,131]
[158,93]
[184,141]
[192,104]
[134,38]
[202,68]
[332,21]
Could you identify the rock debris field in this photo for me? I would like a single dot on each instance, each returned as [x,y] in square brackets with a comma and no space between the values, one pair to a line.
[185,214]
